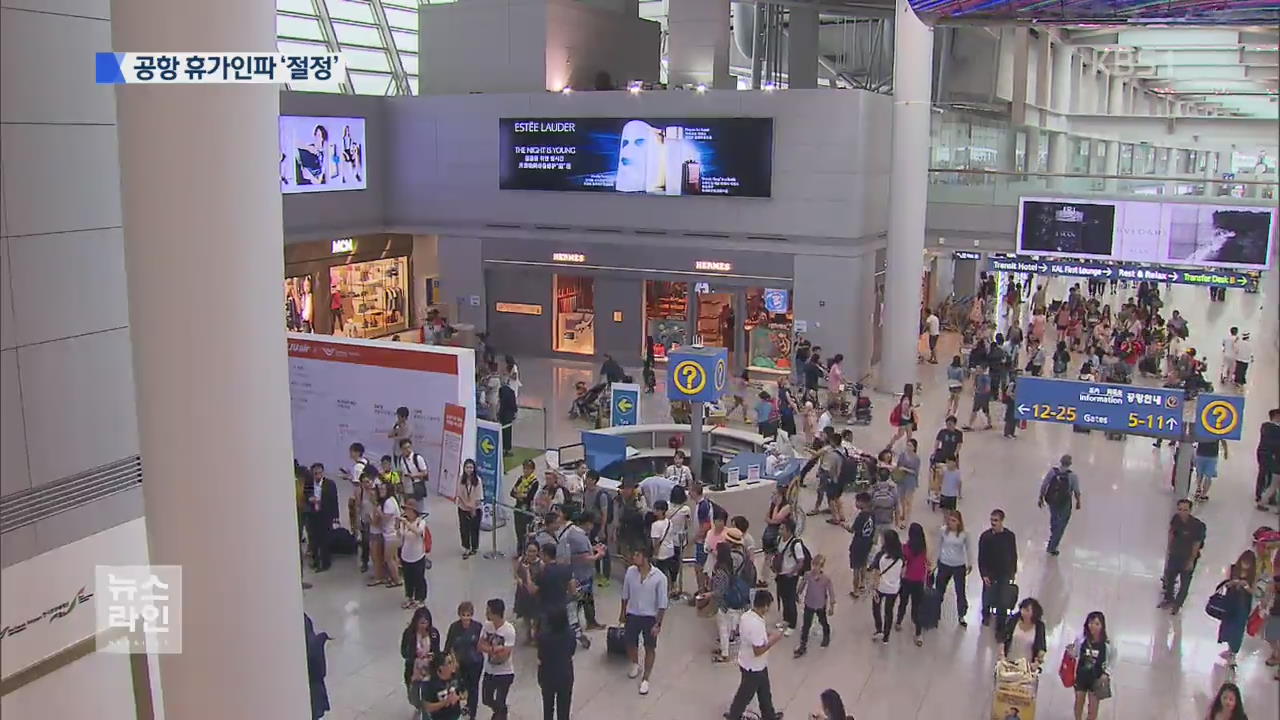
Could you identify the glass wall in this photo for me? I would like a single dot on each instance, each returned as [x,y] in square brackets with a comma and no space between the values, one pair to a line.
[768,327]
[370,299]
[666,309]
[575,315]
[716,319]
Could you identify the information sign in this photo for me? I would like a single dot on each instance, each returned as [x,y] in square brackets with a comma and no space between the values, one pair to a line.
[1156,412]
[624,404]
[1219,417]
[697,374]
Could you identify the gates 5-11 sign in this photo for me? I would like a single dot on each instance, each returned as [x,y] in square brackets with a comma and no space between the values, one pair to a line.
[1156,412]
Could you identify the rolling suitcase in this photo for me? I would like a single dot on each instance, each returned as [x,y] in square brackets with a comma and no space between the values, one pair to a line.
[613,642]
[930,612]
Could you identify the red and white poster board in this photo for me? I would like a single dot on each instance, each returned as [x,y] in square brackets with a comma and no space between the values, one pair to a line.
[451,444]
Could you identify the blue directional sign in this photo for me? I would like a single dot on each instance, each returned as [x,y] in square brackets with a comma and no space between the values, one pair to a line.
[1204,277]
[777,300]
[697,374]
[624,404]
[488,467]
[1156,412]
[1219,417]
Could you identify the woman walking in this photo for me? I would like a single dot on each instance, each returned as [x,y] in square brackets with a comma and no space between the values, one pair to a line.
[779,512]
[915,571]
[907,473]
[887,566]
[419,641]
[955,560]
[903,415]
[469,497]
[1238,588]
[413,556]
[1025,639]
[955,384]
[1094,656]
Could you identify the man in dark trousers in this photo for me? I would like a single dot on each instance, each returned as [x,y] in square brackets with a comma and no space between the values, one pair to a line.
[1268,454]
[1186,537]
[998,565]
[325,515]
[507,409]
[754,641]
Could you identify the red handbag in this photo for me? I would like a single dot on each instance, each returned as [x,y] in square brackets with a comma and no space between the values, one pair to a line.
[1067,669]
[1254,625]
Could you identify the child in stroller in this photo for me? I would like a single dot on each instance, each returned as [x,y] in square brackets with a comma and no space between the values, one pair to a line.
[587,401]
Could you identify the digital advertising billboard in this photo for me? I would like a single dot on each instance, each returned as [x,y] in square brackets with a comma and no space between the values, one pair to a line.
[1189,234]
[728,157]
[322,154]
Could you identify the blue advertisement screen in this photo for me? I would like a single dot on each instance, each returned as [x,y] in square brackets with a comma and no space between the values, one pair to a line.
[731,157]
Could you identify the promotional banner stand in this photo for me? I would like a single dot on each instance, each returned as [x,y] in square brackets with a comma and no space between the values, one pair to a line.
[489,467]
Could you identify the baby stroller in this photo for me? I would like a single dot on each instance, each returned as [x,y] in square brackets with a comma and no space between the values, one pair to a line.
[861,406]
[587,402]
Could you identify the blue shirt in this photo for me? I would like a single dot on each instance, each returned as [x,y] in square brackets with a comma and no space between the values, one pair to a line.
[982,384]
[951,482]
[764,409]
[645,597]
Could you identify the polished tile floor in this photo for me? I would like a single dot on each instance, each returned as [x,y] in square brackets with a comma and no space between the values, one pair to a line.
[1111,560]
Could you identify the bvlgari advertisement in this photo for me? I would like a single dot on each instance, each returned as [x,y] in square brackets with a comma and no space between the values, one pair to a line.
[653,156]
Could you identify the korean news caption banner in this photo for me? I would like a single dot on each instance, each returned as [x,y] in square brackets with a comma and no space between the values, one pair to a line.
[654,156]
[344,390]
[1156,412]
[489,467]
[1190,234]
[299,70]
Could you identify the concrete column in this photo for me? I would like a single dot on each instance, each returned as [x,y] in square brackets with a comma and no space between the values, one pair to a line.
[1111,165]
[1007,159]
[908,196]
[802,47]
[1033,150]
[1044,62]
[210,365]
[1115,96]
[1020,69]
[698,43]
[1062,70]
[1058,156]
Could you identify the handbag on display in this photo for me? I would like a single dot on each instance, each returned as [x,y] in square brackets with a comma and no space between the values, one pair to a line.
[1067,669]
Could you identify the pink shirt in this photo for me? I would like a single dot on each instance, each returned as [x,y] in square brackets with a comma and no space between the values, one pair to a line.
[914,567]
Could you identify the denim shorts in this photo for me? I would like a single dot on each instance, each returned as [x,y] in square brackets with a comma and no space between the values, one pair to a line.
[637,625]
[1206,466]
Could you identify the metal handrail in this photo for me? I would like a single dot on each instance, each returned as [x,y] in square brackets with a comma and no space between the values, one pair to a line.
[1095,176]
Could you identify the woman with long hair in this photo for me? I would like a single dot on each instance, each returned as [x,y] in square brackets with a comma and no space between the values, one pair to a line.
[779,512]
[469,496]
[1095,655]
[1241,579]
[389,507]
[955,560]
[1227,704]
[915,571]
[413,556]
[1024,639]
[419,641]
[887,567]
[903,415]
[907,473]
[832,707]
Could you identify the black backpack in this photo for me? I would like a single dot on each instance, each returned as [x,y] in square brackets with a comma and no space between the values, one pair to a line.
[1058,493]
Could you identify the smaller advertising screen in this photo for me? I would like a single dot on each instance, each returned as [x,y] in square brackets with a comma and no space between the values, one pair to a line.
[1175,233]
[322,154]
[730,157]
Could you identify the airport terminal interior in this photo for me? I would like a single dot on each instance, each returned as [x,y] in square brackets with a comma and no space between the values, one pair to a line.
[575,242]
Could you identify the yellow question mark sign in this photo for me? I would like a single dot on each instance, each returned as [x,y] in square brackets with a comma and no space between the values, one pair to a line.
[690,377]
[1219,418]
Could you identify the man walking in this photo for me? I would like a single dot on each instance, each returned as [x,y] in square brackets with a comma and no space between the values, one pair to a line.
[933,326]
[644,603]
[1186,537]
[998,565]
[1057,489]
[754,642]
[1267,484]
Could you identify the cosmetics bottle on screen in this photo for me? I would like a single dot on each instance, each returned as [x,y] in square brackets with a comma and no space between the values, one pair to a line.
[691,177]
[673,143]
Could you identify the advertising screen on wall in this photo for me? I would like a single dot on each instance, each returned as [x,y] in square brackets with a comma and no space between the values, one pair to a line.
[320,154]
[655,156]
[1233,236]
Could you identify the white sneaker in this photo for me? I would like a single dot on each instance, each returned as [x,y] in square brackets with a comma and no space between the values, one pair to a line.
[634,672]
[780,626]
[786,632]
[644,687]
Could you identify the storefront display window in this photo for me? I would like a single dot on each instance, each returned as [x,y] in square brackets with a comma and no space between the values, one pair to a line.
[369,299]
[715,319]
[666,308]
[299,303]
[768,328]
[575,314]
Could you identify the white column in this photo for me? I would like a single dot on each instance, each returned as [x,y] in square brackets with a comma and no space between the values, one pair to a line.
[802,47]
[1058,151]
[1062,70]
[203,252]
[908,197]
[1115,99]
[698,43]
[1111,165]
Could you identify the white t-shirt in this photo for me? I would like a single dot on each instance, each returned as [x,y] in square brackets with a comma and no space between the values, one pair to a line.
[680,473]
[681,517]
[932,325]
[793,556]
[573,483]
[752,634]
[504,636]
[358,469]
[665,535]
[413,549]
[890,574]
[390,511]
[824,421]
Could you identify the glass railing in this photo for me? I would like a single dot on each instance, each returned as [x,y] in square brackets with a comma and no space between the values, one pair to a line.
[993,187]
